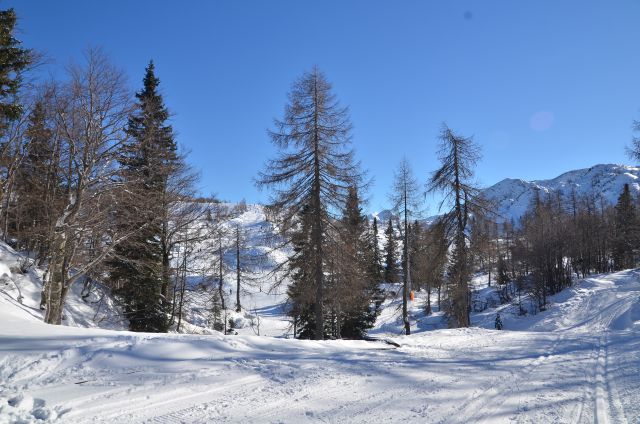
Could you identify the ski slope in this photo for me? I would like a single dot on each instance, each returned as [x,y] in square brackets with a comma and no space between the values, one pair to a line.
[577,362]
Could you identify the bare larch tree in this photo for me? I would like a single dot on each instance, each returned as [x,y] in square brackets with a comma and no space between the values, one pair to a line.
[406,202]
[458,156]
[314,168]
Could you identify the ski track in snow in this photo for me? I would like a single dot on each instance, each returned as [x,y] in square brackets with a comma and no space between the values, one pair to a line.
[578,362]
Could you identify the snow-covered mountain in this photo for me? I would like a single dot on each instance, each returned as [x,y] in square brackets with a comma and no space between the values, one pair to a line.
[604,181]
[513,196]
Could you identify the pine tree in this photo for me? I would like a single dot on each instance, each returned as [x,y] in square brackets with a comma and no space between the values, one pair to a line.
[14,60]
[314,170]
[138,271]
[390,255]
[626,231]
[215,312]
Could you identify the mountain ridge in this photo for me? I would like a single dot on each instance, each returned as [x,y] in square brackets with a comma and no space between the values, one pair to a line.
[514,195]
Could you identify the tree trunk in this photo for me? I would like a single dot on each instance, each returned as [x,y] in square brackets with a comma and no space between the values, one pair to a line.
[238,306]
[407,271]
[220,278]
[54,286]
[317,225]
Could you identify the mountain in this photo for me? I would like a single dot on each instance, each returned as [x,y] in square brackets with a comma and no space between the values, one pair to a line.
[513,196]
[605,181]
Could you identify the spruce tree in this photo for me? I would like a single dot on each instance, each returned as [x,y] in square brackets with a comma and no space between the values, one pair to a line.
[376,265]
[300,292]
[14,60]
[138,272]
[38,186]
[390,255]
[626,231]
[502,279]
[358,294]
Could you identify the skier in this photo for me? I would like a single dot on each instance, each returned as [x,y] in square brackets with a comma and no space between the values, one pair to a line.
[498,322]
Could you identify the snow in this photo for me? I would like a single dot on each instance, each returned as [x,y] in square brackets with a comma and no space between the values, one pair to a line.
[86,306]
[262,304]
[606,181]
[514,196]
[577,362]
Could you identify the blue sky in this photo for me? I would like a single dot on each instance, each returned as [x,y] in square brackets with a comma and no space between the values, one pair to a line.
[543,86]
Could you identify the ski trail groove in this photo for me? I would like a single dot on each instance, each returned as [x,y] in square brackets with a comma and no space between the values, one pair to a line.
[613,399]
[478,405]
[601,408]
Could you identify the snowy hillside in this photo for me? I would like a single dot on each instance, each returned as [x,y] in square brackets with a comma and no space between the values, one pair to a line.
[260,252]
[577,362]
[513,196]
[89,304]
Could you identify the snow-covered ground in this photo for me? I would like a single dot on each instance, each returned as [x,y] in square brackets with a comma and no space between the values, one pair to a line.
[577,362]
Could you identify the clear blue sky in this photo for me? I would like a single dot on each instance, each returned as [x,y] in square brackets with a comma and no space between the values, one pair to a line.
[544,86]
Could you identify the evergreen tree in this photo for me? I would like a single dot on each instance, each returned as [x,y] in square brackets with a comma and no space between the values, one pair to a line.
[358,292]
[626,231]
[502,279]
[300,292]
[215,312]
[138,272]
[435,247]
[390,255]
[376,265]
[38,186]
[14,60]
